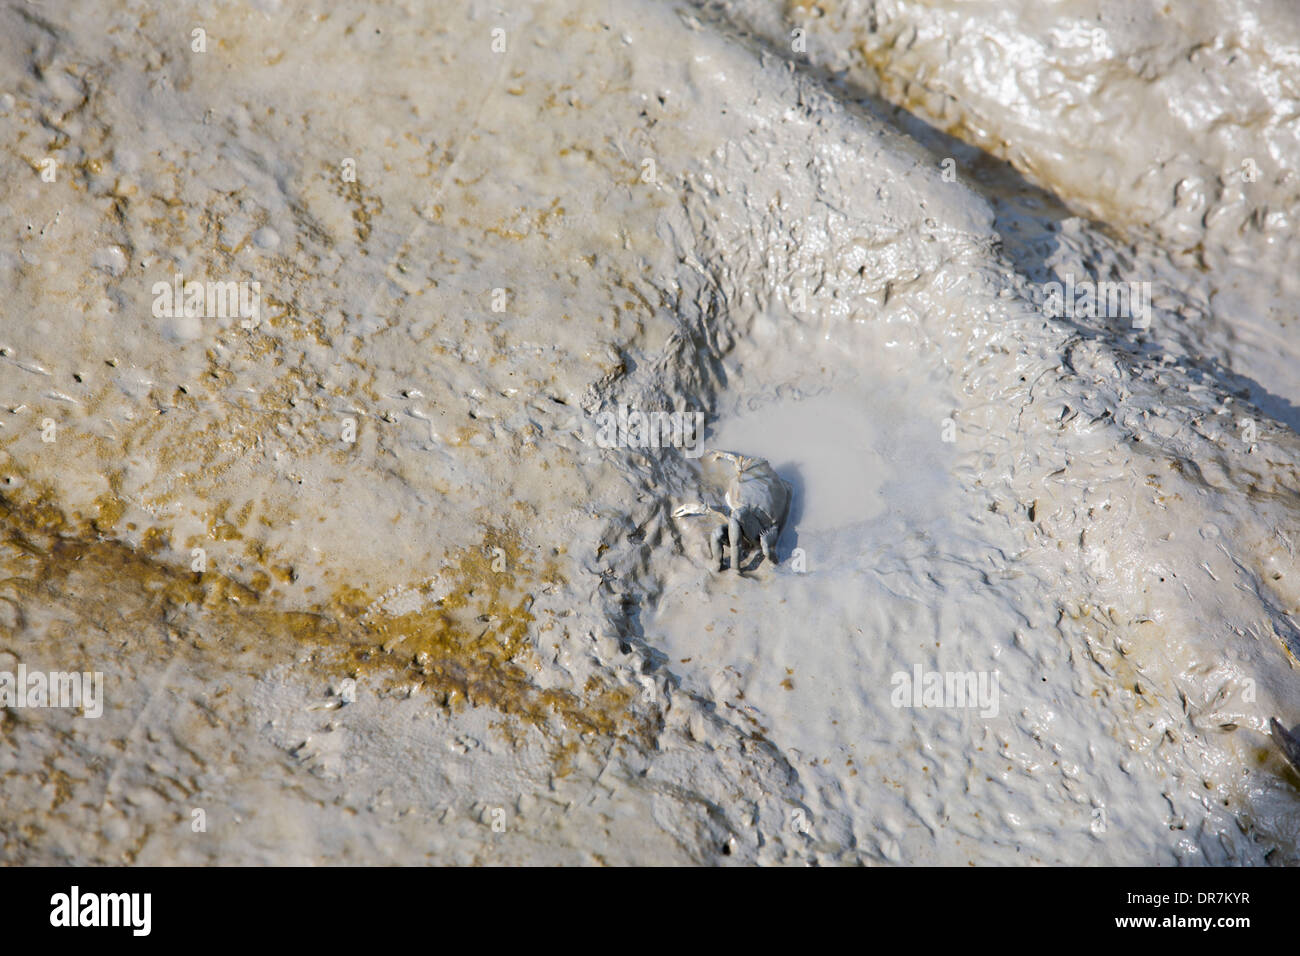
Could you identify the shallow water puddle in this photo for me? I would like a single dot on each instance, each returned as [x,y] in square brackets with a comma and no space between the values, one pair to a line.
[870,475]
[859,453]
[825,447]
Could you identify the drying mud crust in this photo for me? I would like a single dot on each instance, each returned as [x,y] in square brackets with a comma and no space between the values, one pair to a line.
[310,317]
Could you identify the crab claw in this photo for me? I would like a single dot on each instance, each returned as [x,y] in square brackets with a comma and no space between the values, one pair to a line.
[740,461]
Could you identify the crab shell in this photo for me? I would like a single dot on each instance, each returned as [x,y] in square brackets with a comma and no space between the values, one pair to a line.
[757,487]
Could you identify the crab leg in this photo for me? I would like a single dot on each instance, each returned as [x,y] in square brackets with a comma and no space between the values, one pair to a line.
[715,544]
[733,529]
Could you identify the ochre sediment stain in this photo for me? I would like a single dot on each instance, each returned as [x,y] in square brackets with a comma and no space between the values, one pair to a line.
[464,645]
[467,645]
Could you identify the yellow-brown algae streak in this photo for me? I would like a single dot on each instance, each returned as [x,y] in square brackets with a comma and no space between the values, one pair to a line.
[460,650]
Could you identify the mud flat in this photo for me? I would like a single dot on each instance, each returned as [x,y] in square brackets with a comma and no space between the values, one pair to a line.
[363,587]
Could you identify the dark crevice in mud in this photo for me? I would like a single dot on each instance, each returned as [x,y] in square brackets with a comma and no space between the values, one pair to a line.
[1027,218]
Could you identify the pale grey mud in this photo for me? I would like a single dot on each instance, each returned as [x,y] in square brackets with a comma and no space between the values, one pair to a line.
[311,316]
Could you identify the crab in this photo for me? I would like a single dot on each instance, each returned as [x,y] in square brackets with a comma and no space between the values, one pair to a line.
[757,501]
